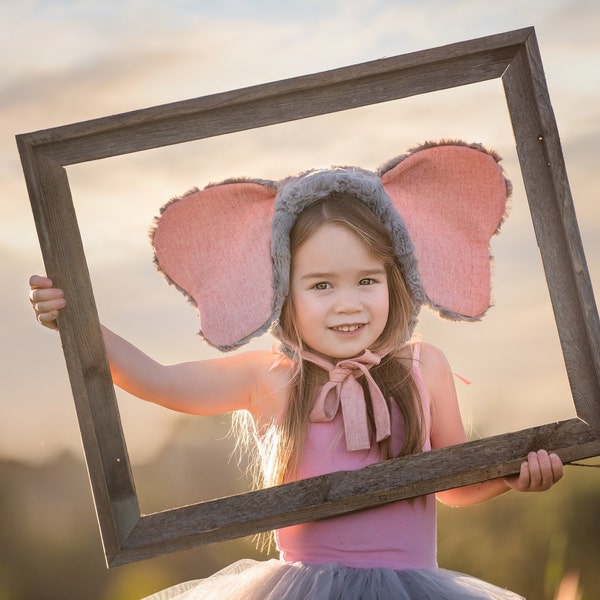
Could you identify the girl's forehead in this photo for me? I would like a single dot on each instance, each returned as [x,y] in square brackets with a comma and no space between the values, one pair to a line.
[333,235]
[332,244]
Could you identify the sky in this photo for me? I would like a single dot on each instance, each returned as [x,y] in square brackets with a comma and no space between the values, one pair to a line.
[70,61]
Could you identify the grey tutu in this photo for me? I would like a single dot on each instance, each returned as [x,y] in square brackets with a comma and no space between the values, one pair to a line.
[277,580]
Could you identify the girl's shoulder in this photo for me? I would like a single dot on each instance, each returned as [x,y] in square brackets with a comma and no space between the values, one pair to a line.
[425,354]
[273,374]
[430,360]
[431,356]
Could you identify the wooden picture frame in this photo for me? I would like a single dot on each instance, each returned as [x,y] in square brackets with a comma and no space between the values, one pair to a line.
[128,535]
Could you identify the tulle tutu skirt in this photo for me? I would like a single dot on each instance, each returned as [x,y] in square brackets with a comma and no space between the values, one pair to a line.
[277,580]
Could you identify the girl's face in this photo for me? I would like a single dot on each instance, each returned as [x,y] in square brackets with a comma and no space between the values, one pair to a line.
[340,293]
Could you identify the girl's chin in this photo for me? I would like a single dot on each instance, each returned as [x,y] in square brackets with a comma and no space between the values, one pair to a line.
[337,354]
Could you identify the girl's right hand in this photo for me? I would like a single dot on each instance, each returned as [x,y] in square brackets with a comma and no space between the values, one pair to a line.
[46,300]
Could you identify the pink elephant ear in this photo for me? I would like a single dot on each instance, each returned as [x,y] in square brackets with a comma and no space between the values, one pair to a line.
[214,246]
[452,198]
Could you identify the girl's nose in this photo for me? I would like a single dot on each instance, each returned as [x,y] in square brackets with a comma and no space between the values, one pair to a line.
[348,301]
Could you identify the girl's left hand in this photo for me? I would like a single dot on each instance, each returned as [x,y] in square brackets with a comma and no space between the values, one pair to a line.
[538,473]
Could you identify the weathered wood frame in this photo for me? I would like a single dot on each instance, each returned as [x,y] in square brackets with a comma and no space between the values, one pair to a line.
[514,57]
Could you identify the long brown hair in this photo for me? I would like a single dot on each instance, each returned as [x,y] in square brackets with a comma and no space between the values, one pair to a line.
[285,440]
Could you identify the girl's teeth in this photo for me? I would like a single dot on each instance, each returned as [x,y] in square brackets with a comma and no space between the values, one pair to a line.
[347,328]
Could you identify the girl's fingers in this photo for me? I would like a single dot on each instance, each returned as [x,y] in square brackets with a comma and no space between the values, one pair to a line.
[48,319]
[538,473]
[535,471]
[547,478]
[557,467]
[46,301]
[524,478]
[49,306]
[39,281]
[545,470]
[38,296]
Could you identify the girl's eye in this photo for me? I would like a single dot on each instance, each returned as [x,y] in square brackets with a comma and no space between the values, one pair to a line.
[322,285]
[366,281]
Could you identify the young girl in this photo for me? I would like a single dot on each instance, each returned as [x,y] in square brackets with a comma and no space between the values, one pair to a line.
[336,263]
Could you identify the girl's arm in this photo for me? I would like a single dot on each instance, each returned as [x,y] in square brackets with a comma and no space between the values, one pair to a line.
[203,387]
[538,473]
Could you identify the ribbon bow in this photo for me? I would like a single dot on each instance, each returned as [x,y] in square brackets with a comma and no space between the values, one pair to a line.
[344,389]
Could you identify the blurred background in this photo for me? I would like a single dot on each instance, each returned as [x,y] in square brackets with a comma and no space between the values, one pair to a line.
[65,61]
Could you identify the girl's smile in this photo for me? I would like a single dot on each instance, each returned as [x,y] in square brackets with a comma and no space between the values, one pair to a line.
[347,328]
[339,292]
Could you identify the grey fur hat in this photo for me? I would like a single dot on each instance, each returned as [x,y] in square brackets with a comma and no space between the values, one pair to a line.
[295,194]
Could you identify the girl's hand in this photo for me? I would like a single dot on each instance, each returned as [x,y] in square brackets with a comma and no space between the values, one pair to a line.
[538,473]
[46,300]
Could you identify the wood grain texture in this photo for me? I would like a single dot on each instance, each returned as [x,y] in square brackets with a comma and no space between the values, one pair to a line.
[344,492]
[556,228]
[89,374]
[281,101]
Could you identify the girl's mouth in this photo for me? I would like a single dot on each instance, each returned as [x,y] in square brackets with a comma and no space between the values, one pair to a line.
[347,328]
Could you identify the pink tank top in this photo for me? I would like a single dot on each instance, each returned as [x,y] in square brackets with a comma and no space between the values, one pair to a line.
[400,535]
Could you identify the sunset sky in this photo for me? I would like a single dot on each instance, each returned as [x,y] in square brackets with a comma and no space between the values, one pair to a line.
[68,61]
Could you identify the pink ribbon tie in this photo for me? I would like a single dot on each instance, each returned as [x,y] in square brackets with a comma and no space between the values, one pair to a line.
[344,390]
